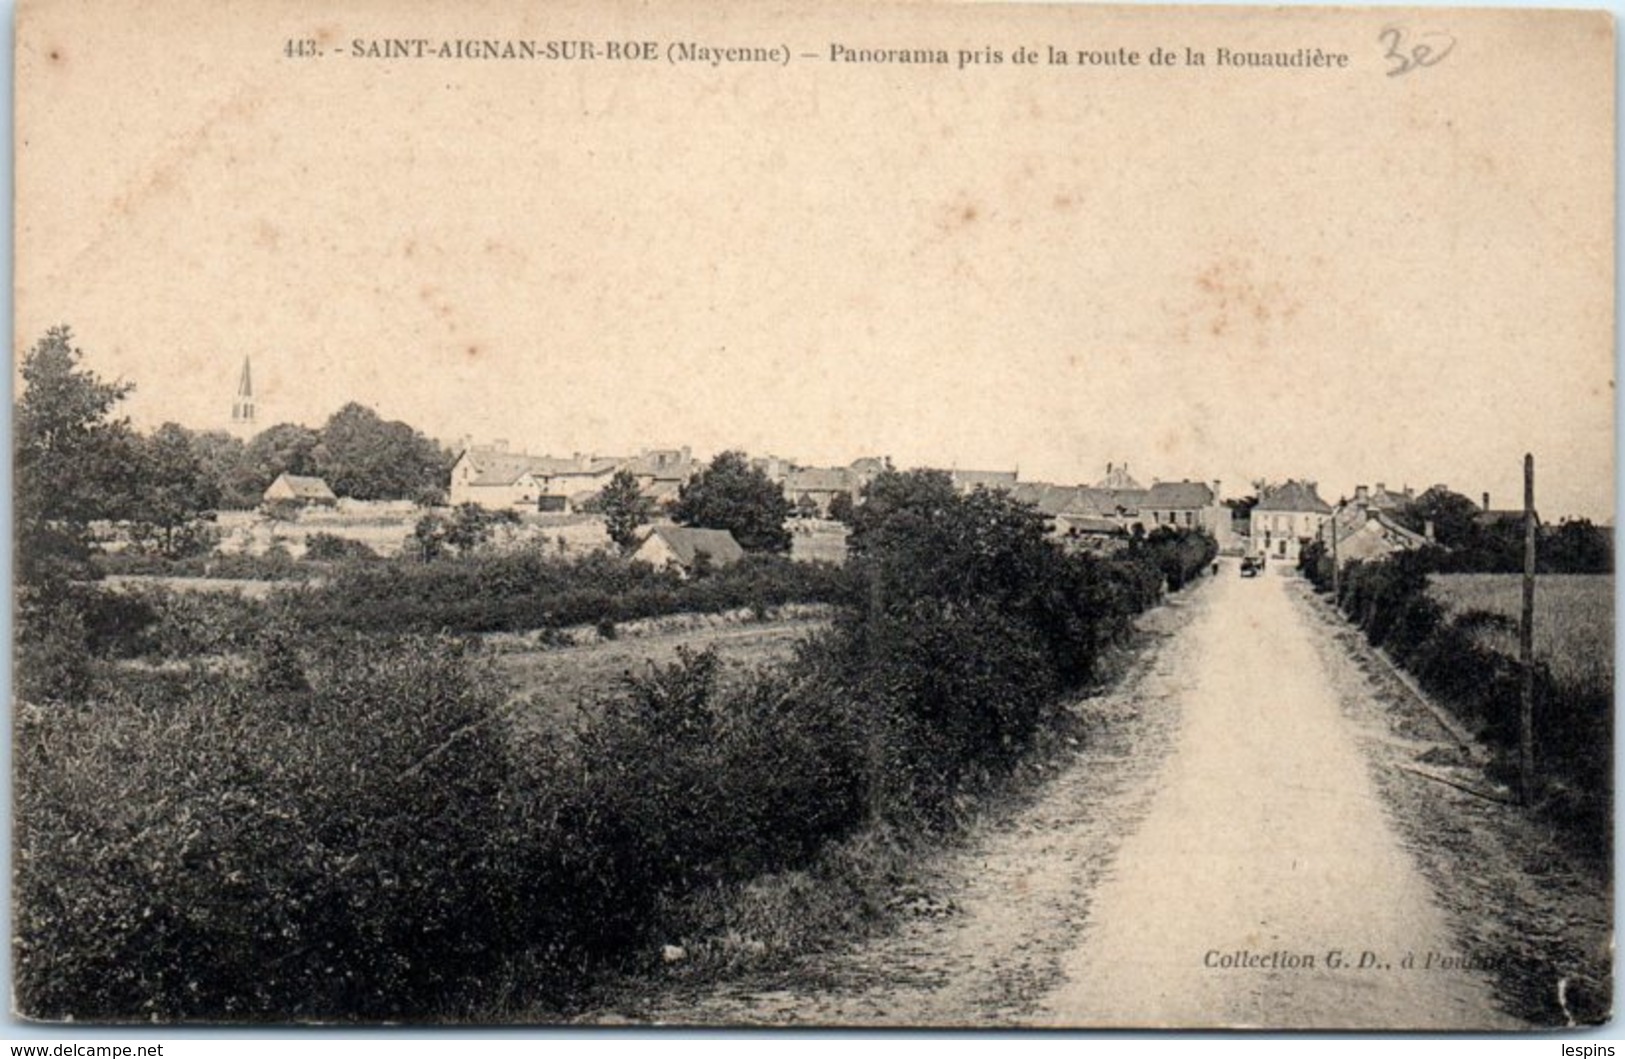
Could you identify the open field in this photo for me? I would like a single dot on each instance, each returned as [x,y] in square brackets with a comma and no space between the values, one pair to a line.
[1574,618]
[242,586]
[386,527]
[558,680]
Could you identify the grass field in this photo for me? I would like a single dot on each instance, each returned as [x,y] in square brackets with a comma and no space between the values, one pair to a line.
[559,680]
[1574,618]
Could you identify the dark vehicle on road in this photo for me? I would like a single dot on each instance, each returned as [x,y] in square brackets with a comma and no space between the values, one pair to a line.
[1251,566]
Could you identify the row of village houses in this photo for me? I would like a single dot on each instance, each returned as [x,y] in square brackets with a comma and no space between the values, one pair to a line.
[1286,516]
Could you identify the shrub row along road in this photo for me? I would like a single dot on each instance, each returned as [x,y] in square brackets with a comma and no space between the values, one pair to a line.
[1218,856]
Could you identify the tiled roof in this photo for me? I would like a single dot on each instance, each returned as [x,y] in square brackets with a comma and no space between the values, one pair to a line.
[1110,501]
[1384,498]
[1164,496]
[663,465]
[308,488]
[687,542]
[1048,498]
[1293,495]
[499,468]
[1118,478]
[818,480]
[506,468]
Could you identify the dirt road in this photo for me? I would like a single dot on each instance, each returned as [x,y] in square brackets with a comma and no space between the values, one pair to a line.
[1218,855]
[1266,887]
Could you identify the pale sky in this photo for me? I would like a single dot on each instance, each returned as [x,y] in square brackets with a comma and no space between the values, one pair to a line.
[1213,273]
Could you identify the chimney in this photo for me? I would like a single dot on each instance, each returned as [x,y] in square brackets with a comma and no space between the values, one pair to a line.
[1362,495]
[1108,470]
[1486,501]
[1427,529]
[1215,490]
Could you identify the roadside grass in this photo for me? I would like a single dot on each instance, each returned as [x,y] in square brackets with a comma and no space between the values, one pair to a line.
[1574,619]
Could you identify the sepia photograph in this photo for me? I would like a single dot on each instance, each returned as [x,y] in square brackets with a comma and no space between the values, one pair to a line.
[785,515]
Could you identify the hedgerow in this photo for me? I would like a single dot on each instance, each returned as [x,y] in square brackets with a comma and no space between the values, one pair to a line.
[531,590]
[1573,721]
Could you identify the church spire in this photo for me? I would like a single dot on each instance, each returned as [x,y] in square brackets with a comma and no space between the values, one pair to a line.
[242,409]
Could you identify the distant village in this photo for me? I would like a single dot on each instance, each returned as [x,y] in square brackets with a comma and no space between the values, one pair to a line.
[1098,516]
[1274,521]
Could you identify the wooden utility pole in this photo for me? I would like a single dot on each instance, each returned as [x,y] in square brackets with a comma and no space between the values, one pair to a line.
[1526,641]
[1337,570]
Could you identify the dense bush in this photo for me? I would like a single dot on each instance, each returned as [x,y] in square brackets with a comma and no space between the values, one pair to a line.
[275,564]
[51,661]
[331,548]
[679,787]
[233,850]
[532,590]
[970,621]
[1179,555]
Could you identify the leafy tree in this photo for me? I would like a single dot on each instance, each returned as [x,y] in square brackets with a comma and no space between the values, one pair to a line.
[929,541]
[1178,554]
[71,458]
[472,526]
[286,448]
[171,493]
[730,494]
[841,508]
[1575,546]
[224,459]
[1454,517]
[624,508]
[466,529]
[365,457]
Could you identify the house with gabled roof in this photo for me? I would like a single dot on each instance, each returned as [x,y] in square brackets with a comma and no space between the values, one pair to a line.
[1367,526]
[496,478]
[1382,498]
[687,548]
[1286,517]
[813,489]
[298,489]
[1360,531]
[662,473]
[1118,479]
[1055,499]
[1181,505]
